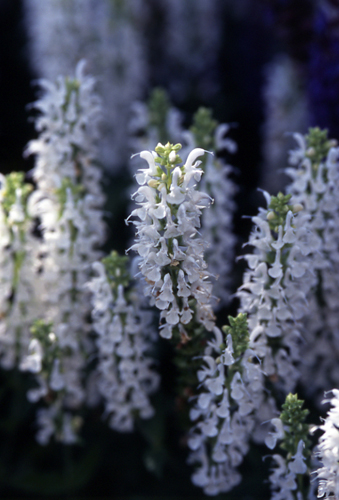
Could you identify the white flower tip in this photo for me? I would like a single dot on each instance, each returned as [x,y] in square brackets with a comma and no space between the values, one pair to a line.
[172,156]
[80,69]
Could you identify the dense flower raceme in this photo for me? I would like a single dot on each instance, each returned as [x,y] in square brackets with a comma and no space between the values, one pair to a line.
[276,285]
[288,477]
[158,122]
[172,262]
[67,202]
[328,451]
[314,172]
[234,402]
[17,270]
[231,389]
[123,377]
[171,250]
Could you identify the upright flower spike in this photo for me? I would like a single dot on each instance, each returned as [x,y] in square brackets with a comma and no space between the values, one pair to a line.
[124,376]
[68,203]
[314,172]
[290,473]
[328,451]
[276,286]
[231,389]
[171,250]
[273,297]
[156,122]
[18,266]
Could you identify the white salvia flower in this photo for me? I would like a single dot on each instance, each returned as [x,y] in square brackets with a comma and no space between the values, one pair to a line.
[67,202]
[283,483]
[171,250]
[274,299]
[272,437]
[124,376]
[172,262]
[159,122]
[328,451]
[276,285]
[110,35]
[231,389]
[298,466]
[33,362]
[315,183]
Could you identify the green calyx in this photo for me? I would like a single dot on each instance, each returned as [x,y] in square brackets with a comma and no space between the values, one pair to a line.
[41,329]
[318,145]
[167,159]
[203,129]
[278,210]
[116,267]
[168,155]
[77,191]
[293,416]
[14,182]
[238,328]
[72,87]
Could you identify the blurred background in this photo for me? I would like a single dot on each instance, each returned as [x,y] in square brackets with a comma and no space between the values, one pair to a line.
[269,68]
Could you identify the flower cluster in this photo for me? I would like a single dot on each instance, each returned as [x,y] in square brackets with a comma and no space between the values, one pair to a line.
[172,253]
[328,451]
[291,432]
[124,376]
[158,121]
[231,389]
[67,203]
[314,172]
[276,285]
[85,330]
[234,400]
